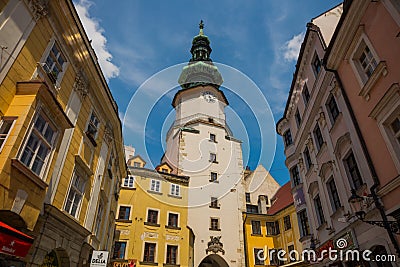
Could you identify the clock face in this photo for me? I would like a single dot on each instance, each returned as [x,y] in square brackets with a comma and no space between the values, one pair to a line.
[209,97]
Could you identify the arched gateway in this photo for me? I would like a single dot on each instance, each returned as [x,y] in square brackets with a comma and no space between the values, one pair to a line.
[213,260]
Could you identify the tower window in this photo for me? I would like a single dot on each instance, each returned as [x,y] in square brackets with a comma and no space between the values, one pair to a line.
[213,157]
[214,203]
[212,138]
[214,224]
[214,177]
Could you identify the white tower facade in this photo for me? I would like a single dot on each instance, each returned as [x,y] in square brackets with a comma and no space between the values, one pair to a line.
[200,145]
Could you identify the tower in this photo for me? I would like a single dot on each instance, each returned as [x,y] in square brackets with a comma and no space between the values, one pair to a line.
[201,145]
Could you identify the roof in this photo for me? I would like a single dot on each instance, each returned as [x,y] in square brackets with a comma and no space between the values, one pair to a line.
[283,198]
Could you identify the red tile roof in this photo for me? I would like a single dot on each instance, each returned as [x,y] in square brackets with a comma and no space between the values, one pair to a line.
[283,198]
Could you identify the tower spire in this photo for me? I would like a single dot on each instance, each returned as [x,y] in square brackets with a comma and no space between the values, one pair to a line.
[201,26]
[201,49]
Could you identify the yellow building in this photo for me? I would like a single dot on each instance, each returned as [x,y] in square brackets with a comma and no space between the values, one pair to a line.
[61,151]
[152,218]
[266,234]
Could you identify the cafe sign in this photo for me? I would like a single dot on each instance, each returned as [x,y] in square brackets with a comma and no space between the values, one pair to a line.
[99,258]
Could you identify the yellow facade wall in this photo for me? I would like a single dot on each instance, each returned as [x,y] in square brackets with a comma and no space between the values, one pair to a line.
[283,240]
[135,231]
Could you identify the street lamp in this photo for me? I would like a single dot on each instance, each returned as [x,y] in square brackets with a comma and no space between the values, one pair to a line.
[358,203]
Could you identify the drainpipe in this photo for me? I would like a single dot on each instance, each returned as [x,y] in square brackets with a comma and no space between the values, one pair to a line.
[245,241]
[373,188]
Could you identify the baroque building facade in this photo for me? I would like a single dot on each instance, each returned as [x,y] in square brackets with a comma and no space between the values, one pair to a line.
[61,148]
[151,222]
[366,59]
[326,157]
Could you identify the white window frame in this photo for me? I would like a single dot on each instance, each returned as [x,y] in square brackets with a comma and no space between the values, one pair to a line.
[89,122]
[129,182]
[177,253]
[384,113]
[175,190]
[125,206]
[179,217]
[46,54]
[361,76]
[158,214]
[155,185]
[42,140]
[4,136]
[72,186]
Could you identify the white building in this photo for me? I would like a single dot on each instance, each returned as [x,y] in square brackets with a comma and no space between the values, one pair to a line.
[200,145]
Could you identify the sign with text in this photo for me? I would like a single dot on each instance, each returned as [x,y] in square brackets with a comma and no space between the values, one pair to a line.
[99,259]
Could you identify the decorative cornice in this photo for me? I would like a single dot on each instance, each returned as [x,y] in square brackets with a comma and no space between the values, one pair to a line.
[392,93]
[39,8]
[380,70]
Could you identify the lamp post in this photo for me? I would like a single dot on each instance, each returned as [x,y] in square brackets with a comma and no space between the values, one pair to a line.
[358,204]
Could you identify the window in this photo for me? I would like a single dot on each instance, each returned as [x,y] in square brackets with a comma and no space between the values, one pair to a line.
[333,194]
[173,219]
[119,250]
[213,157]
[365,61]
[256,227]
[332,108]
[149,252]
[175,190]
[36,152]
[164,170]
[54,63]
[319,140]
[295,175]
[214,177]
[214,224]
[214,203]
[272,228]
[298,118]
[395,127]
[110,165]
[172,252]
[307,158]
[293,255]
[318,209]
[287,223]
[248,198]
[316,65]
[258,256]
[99,217]
[128,181]
[6,124]
[251,208]
[93,126]
[303,223]
[76,192]
[287,137]
[306,94]
[152,216]
[352,168]
[136,165]
[212,138]
[274,259]
[155,185]
[124,213]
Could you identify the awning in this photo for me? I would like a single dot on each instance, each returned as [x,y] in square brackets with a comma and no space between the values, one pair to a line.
[14,242]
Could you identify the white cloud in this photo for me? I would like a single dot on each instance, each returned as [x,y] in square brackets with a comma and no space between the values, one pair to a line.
[99,42]
[291,48]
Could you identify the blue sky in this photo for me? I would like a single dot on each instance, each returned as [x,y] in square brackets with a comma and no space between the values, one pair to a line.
[136,39]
